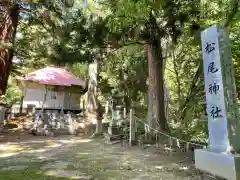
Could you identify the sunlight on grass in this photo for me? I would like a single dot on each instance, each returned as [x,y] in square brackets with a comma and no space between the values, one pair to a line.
[4,147]
[37,150]
[35,142]
[70,141]
[10,149]
[83,153]
[67,174]
[53,145]
[8,155]
[51,173]
[41,157]
[159,167]
[184,168]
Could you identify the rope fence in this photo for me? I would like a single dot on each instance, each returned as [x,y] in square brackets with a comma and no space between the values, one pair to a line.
[133,129]
[167,135]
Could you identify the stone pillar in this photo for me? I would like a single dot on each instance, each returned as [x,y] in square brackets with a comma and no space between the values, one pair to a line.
[230,92]
[221,98]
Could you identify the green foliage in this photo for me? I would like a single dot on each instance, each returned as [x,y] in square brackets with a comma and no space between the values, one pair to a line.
[80,70]
[125,71]
[134,19]
[235,34]
[115,33]
[12,95]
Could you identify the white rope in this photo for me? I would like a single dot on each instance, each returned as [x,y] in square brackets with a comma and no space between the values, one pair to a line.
[167,135]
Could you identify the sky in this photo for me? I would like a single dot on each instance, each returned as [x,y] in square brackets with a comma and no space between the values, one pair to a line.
[17,60]
[18,35]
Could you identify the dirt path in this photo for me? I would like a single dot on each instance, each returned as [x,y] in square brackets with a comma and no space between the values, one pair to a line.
[69,157]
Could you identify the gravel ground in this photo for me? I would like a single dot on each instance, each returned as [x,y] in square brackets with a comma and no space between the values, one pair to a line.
[68,157]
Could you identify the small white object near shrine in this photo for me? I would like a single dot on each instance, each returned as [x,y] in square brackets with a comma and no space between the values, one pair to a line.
[222,109]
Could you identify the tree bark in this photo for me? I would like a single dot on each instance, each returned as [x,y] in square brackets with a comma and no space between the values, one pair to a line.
[21,105]
[2,114]
[94,108]
[156,108]
[8,25]
[156,100]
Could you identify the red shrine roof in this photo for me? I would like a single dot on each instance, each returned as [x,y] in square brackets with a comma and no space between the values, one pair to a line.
[51,75]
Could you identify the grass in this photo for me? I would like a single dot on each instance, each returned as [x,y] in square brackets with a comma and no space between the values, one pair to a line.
[102,168]
[27,175]
[10,149]
[95,159]
[70,167]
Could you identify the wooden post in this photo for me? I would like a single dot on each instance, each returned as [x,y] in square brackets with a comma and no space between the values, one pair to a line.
[132,129]
[170,146]
[112,112]
[124,113]
[146,129]
[63,102]
[44,98]
[21,104]
[187,146]
[156,137]
[107,107]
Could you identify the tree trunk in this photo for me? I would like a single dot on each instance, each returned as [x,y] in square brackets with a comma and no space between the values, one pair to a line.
[21,105]
[2,114]
[156,100]
[156,104]
[9,14]
[94,109]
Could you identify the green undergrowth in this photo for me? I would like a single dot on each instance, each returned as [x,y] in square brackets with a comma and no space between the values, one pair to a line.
[27,175]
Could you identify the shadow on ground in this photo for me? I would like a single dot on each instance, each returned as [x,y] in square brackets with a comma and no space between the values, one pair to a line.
[68,157]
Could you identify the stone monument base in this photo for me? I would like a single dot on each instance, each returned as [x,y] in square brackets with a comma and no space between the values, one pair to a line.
[219,164]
